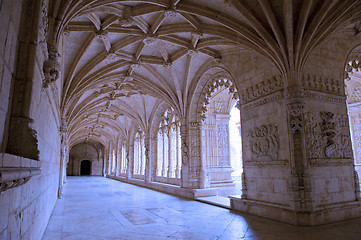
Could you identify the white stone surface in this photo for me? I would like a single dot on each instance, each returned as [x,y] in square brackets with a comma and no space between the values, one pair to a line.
[97,208]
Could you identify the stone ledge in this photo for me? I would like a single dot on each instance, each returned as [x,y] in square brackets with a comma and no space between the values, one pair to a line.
[16,171]
[331,213]
[167,188]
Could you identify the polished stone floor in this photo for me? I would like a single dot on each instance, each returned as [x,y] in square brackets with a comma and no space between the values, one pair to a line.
[101,208]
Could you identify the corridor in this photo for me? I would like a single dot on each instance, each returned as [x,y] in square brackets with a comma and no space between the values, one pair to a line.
[101,208]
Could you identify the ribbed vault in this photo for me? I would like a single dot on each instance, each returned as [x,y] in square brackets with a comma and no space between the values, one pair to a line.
[123,58]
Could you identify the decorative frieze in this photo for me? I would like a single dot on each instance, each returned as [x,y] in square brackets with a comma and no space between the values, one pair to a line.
[264,163]
[220,80]
[319,96]
[262,89]
[265,143]
[269,98]
[322,162]
[321,84]
[14,177]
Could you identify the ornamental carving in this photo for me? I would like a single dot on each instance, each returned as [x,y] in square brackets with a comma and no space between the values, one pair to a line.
[51,67]
[212,87]
[265,142]
[327,136]
[12,184]
[262,89]
[14,177]
[295,117]
[223,144]
[353,64]
[44,22]
[321,84]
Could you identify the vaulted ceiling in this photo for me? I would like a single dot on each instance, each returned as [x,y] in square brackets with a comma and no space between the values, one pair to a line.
[122,59]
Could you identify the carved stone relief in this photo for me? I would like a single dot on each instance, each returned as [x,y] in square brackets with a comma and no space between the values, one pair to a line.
[210,88]
[295,117]
[44,22]
[327,136]
[51,67]
[265,142]
[353,64]
[223,144]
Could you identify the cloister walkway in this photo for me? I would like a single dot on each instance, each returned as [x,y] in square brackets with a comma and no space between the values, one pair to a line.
[101,208]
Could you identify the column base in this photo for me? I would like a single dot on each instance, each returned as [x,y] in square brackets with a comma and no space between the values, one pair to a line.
[323,215]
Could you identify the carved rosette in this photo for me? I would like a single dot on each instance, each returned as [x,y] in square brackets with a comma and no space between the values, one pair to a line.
[265,142]
[51,67]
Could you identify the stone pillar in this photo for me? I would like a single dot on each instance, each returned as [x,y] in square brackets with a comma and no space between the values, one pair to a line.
[355,122]
[63,157]
[148,164]
[165,159]
[172,152]
[220,171]
[130,159]
[153,156]
[193,174]
[118,160]
[298,163]
[185,156]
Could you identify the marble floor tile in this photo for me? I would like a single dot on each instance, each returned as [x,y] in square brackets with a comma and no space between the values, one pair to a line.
[101,208]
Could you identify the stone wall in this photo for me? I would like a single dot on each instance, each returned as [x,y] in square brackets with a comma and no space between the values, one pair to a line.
[25,210]
[9,35]
[84,151]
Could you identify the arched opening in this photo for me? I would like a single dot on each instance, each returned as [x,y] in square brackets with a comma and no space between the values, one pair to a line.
[353,93]
[221,140]
[123,161]
[85,168]
[169,159]
[139,155]
[85,152]
[236,146]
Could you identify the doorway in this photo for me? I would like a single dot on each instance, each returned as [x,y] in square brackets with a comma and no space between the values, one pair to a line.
[85,167]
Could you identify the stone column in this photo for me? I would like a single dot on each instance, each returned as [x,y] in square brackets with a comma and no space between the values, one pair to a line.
[153,156]
[130,159]
[63,157]
[298,163]
[185,156]
[355,122]
[193,174]
[172,158]
[265,150]
[148,164]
